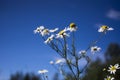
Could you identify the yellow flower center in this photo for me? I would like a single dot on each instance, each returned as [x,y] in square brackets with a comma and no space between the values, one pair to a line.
[46,31]
[108,78]
[104,27]
[61,32]
[72,25]
[113,68]
[104,69]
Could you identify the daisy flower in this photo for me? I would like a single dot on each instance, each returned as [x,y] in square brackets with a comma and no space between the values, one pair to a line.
[82,52]
[51,62]
[72,27]
[42,71]
[45,32]
[109,78]
[112,69]
[105,28]
[49,39]
[60,61]
[39,29]
[62,33]
[95,49]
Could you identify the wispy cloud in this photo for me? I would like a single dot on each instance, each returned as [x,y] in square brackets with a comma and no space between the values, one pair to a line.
[113,14]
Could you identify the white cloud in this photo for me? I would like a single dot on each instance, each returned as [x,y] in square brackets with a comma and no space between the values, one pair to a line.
[113,14]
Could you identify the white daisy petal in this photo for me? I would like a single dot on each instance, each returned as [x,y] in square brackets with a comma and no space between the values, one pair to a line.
[54,30]
[59,61]
[110,29]
[42,71]
[100,30]
[49,39]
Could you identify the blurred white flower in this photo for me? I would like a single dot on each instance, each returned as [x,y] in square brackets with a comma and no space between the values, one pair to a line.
[53,30]
[51,62]
[95,49]
[49,39]
[104,69]
[42,71]
[112,69]
[62,33]
[72,27]
[60,61]
[45,32]
[82,52]
[105,28]
[39,29]
[109,78]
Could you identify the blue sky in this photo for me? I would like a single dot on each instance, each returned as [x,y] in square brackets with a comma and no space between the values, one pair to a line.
[22,50]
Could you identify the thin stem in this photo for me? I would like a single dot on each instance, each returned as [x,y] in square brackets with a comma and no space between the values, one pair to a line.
[60,42]
[65,47]
[88,61]
[62,72]
[78,71]
[71,69]
[74,54]
[43,76]
[94,42]
[47,78]
[55,47]
[67,61]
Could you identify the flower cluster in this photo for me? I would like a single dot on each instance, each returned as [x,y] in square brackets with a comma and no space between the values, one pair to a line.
[112,69]
[57,40]
[94,49]
[43,31]
[61,34]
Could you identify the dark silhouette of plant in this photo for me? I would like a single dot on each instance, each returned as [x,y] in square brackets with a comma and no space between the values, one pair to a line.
[28,76]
